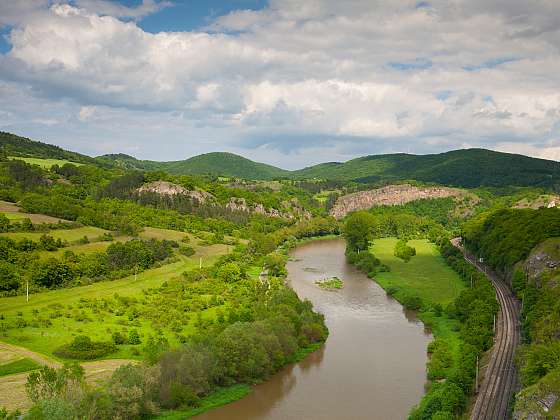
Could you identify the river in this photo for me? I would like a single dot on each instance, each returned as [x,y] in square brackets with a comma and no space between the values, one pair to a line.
[372,365]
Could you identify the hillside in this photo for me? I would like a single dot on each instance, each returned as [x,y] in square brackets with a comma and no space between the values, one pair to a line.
[461,168]
[464,168]
[216,163]
[13,145]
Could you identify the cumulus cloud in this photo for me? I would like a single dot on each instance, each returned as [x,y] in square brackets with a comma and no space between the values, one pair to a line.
[359,76]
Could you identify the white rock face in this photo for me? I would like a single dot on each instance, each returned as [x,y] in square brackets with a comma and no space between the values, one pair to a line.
[170,189]
[388,196]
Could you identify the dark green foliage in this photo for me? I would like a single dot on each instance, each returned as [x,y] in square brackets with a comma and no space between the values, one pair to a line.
[26,176]
[83,348]
[52,273]
[507,236]
[358,230]
[14,145]
[137,253]
[134,337]
[186,250]
[465,168]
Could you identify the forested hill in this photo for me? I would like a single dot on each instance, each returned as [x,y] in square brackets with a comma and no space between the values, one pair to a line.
[462,168]
[13,145]
[216,163]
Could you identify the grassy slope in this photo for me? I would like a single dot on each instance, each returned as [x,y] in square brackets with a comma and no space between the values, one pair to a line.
[18,366]
[427,274]
[46,340]
[45,163]
[70,235]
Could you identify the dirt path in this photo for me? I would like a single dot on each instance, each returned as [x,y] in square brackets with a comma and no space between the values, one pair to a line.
[12,388]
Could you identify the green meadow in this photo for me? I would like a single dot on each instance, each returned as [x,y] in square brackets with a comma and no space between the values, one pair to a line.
[70,235]
[425,275]
[44,163]
[53,318]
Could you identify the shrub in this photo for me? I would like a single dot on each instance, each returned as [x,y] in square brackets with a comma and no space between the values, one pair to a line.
[82,348]
[118,338]
[186,250]
[134,337]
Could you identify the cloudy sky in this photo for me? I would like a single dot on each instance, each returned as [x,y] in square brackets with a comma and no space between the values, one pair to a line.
[287,82]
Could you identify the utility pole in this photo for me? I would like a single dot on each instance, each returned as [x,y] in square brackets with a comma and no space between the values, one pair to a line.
[476,377]
[27,289]
[200,263]
[135,272]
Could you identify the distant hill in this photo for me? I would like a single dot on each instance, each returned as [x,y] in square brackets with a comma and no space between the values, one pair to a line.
[216,163]
[462,168]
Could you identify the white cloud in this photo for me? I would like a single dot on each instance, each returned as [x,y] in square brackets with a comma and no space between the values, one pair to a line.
[369,76]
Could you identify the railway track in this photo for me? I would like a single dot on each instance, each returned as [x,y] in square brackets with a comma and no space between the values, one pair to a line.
[500,379]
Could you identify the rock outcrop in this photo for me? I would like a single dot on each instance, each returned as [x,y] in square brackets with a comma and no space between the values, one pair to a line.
[171,189]
[389,196]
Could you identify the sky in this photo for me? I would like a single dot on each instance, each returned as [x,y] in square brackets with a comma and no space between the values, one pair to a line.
[287,82]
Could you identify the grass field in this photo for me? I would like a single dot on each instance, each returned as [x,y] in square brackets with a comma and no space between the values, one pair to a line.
[76,317]
[12,212]
[426,274]
[70,235]
[18,366]
[44,163]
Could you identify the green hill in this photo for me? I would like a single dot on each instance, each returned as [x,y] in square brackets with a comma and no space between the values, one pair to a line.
[225,164]
[465,168]
[216,163]
[13,145]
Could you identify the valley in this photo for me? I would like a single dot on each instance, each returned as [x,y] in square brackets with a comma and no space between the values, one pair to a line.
[197,290]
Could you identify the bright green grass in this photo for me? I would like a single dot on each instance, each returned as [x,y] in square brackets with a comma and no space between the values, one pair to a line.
[426,274]
[46,340]
[44,163]
[220,397]
[70,235]
[18,366]
[14,216]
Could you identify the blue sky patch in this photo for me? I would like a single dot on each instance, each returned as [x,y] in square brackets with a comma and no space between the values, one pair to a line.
[490,64]
[416,64]
[185,15]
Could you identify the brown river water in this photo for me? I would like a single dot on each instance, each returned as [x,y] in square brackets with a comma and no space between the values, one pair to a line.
[372,365]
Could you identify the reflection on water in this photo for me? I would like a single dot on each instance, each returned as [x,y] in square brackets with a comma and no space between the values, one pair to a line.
[372,366]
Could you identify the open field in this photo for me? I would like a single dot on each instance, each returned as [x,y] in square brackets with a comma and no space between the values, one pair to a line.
[70,235]
[44,163]
[53,318]
[426,274]
[12,212]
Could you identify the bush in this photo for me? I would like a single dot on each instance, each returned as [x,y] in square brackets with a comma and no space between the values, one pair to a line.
[134,337]
[404,251]
[82,348]
[413,303]
[186,250]
[118,338]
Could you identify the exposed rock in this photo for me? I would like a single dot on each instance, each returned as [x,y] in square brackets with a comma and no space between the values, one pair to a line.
[240,204]
[539,401]
[542,266]
[171,189]
[543,200]
[389,196]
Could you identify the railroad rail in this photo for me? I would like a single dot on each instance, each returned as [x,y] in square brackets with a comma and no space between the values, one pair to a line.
[500,378]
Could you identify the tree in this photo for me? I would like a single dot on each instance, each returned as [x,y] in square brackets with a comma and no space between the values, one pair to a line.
[275,263]
[52,273]
[357,230]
